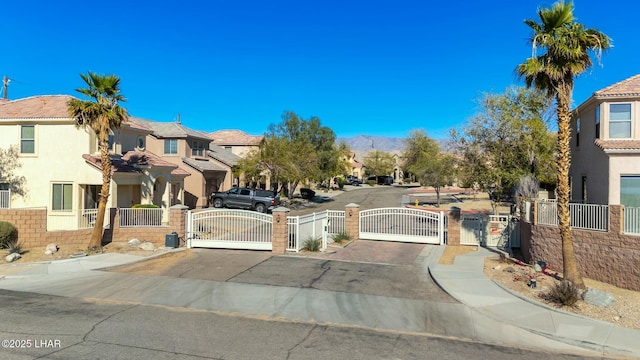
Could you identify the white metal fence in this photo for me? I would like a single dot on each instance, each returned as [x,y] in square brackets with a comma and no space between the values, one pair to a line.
[306,228]
[140,217]
[5,199]
[582,216]
[489,230]
[336,222]
[632,220]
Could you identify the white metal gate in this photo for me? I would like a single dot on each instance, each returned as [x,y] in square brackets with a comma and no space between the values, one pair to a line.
[305,228]
[229,229]
[489,230]
[402,224]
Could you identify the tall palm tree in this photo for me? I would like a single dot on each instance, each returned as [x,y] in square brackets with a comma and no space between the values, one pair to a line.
[569,46]
[102,114]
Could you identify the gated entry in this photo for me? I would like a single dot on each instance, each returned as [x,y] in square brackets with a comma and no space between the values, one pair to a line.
[402,224]
[229,229]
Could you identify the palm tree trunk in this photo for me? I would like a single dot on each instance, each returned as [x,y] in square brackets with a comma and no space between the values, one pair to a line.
[570,264]
[96,235]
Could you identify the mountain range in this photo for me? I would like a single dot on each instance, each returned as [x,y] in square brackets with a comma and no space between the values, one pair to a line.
[368,143]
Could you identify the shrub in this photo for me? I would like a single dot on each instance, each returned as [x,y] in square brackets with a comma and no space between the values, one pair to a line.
[145,206]
[340,237]
[8,233]
[312,244]
[14,247]
[565,293]
[371,182]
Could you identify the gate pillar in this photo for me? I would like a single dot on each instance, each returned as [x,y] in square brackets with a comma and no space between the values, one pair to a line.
[453,226]
[352,220]
[280,237]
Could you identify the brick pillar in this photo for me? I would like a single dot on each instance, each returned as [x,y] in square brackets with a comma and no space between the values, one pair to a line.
[616,219]
[177,220]
[280,237]
[352,220]
[453,226]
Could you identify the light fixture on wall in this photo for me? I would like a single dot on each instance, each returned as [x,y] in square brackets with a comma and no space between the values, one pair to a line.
[278,218]
[350,213]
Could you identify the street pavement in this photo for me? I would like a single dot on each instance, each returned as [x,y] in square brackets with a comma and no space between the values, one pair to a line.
[486,313]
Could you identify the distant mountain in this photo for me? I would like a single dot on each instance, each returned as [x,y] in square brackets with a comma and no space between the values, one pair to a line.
[367,143]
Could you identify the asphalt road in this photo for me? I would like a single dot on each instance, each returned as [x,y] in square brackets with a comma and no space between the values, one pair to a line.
[49,327]
[365,196]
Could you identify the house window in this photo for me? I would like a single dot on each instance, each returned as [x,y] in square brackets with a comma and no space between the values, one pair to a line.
[577,132]
[598,122]
[584,190]
[228,148]
[171,146]
[62,196]
[27,139]
[197,148]
[620,121]
[140,141]
[630,191]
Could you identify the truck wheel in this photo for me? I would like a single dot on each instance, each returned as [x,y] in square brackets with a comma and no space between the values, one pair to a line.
[217,203]
[260,208]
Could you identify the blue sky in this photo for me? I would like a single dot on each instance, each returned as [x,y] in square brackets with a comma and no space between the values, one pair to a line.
[363,67]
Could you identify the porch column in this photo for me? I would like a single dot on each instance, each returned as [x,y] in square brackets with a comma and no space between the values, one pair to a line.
[166,202]
[352,220]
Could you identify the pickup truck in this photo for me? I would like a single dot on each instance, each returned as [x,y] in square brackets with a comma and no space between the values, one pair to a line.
[245,198]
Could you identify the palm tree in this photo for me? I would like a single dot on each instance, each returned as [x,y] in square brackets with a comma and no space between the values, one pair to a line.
[569,46]
[102,114]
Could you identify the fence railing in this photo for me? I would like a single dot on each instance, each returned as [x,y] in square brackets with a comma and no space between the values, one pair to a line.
[87,218]
[632,220]
[140,217]
[582,216]
[5,199]
[336,222]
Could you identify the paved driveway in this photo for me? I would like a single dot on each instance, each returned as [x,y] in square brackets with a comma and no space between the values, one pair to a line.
[364,267]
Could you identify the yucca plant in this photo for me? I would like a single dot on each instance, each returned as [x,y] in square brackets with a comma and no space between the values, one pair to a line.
[340,237]
[312,244]
[13,246]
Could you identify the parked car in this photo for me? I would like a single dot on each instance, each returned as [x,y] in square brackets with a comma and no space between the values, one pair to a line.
[384,180]
[245,198]
[353,180]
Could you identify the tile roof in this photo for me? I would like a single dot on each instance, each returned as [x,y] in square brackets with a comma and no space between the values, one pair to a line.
[170,129]
[234,137]
[222,155]
[627,87]
[202,165]
[131,161]
[618,144]
[45,106]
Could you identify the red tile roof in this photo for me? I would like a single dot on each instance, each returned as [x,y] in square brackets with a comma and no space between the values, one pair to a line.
[234,137]
[47,106]
[618,144]
[627,87]
[131,160]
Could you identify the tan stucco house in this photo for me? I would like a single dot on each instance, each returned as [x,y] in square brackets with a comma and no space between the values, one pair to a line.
[236,142]
[210,170]
[605,146]
[61,162]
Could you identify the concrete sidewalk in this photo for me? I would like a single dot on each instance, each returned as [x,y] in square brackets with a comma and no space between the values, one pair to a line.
[465,281]
[487,314]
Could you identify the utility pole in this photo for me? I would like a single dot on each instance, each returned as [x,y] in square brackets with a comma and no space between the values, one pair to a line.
[5,85]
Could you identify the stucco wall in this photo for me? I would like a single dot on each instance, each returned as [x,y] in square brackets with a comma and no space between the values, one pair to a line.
[610,257]
[58,158]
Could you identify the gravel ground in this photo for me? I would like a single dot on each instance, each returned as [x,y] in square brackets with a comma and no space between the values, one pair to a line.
[625,312]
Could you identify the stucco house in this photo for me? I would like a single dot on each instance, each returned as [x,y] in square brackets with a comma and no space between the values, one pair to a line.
[191,150]
[605,146]
[236,142]
[61,163]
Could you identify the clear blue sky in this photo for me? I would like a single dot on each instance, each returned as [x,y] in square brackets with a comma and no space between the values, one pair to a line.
[363,67]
